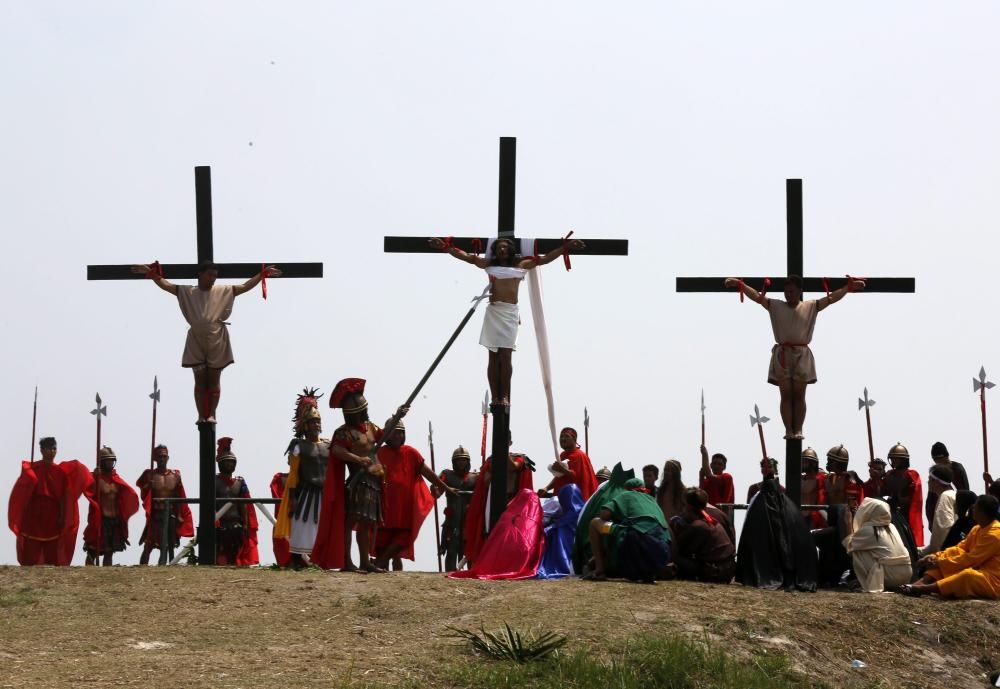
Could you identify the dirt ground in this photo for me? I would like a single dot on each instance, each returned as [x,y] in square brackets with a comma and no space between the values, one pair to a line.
[183,626]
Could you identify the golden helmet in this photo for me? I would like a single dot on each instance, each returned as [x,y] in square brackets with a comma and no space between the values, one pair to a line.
[897,451]
[838,453]
[810,453]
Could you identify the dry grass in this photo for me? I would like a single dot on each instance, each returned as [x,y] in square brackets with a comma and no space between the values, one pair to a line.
[258,628]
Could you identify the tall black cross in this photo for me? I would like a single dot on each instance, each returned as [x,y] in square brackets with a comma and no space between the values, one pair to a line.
[793,196]
[505,228]
[206,445]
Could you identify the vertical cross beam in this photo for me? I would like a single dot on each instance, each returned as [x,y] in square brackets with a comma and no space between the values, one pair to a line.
[206,494]
[203,211]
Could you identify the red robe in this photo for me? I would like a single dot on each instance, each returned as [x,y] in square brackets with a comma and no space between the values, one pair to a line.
[185,522]
[247,554]
[475,515]
[282,555]
[719,488]
[915,516]
[584,476]
[406,500]
[33,510]
[128,504]
[328,550]
[515,546]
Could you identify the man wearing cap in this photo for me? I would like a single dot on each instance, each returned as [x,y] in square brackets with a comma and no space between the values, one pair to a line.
[112,503]
[463,481]
[205,307]
[573,467]
[874,486]
[768,472]
[939,484]
[813,488]
[506,269]
[162,482]
[406,498]
[903,488]
[43,511]
[792,364]
[236,529]
[714,480]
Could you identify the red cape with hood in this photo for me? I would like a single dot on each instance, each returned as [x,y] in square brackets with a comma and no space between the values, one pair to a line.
[128,504]
[248,554]
[406,500]
[475,515]
[579,464]
[61,482]
[282,555]
[185,522]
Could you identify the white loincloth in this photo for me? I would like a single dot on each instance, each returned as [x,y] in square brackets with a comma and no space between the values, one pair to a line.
[500,325]
[303,535]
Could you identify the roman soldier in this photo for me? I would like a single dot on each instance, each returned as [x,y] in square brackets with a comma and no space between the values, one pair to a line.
[43,512]
[112,503]
[463,480]
[307,460]
[813,488]
[843,492]
[162,482]
[236,527]
[902,486]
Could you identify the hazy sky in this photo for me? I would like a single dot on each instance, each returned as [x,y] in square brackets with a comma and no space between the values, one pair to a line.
[329,125]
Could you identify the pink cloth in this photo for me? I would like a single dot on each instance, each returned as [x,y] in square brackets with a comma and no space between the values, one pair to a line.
[515,546]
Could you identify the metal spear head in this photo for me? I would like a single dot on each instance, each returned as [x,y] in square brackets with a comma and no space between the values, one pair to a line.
[977,385]
[756,418]
[99,411]
[155,395]
[586,418]
[702,402]
[430,431]
[862,403]
[486,403]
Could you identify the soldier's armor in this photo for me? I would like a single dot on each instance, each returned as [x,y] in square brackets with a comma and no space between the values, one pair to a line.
[313,458]
[364,489]
[234,515]
[452,531]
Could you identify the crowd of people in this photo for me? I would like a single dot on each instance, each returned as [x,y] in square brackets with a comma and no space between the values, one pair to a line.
[368,486]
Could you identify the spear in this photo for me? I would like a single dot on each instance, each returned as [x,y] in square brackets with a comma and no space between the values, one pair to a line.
[34,420]
[155,396]
[867,404]
[486,416]
[757,420]
[981,386]
[703,417]
[99,411]
[586,432]
[437,523]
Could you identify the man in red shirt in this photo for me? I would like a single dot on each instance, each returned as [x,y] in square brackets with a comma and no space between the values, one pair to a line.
[714,479]
[573,467]
[406,500]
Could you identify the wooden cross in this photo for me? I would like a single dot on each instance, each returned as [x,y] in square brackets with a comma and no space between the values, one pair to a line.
[793,196]
[505,229]
[203,213]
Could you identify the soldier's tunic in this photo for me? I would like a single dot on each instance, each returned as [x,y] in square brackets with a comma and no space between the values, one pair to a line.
[364,489]
[452,538]
[309,461]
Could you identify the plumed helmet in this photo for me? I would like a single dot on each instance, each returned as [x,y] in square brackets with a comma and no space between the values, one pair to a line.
[810,453]
[898,451]
[225,450]
[306,408]
[838,453]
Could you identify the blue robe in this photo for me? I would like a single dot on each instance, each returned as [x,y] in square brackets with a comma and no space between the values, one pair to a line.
[558,558]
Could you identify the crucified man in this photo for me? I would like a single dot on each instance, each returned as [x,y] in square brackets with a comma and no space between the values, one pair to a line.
[792,364]
[506,268]
[205,307]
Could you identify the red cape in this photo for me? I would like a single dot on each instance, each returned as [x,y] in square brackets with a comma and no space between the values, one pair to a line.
[185,525]
[128,504]
[77,477]
[328,550]
[475,515]
[248,551]
[406,500]
[579,464]
[915,516]
[516,544]
[281,553]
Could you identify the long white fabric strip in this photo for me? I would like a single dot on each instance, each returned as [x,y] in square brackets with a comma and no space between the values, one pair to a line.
[542,338]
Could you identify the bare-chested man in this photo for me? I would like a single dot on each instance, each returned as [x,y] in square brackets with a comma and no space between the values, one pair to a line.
[112,503]
[506,268]
[162,482]
[792,364]
[206,307]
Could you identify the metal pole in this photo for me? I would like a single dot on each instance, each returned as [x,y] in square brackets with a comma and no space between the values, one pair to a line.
[155,396]
[34,420]
[586,432]
[703,418]
[437,522]
[981,386]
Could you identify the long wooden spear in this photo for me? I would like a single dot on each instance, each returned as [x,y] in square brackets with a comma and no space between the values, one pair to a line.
[981,386]
[34,420]
[486,416]
[98,411]
[437,523]
[155,396]
[867,405]
[757,420]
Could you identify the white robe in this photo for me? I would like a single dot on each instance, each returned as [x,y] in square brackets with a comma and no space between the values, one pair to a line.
[881,561]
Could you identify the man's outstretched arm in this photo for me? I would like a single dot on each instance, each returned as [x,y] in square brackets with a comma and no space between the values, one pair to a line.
[160,281]
[572,245]
[268,271]
[478,261]
[835,296]
[751,293]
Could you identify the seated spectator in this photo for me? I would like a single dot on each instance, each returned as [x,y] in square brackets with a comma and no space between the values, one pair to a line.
[939,485]
[970,569]
[630,538]
[703,548]
[879,557]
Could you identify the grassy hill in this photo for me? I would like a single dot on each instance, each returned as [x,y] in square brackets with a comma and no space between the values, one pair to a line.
[188,627]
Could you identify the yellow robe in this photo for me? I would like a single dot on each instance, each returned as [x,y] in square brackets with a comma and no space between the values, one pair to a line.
[971,569]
